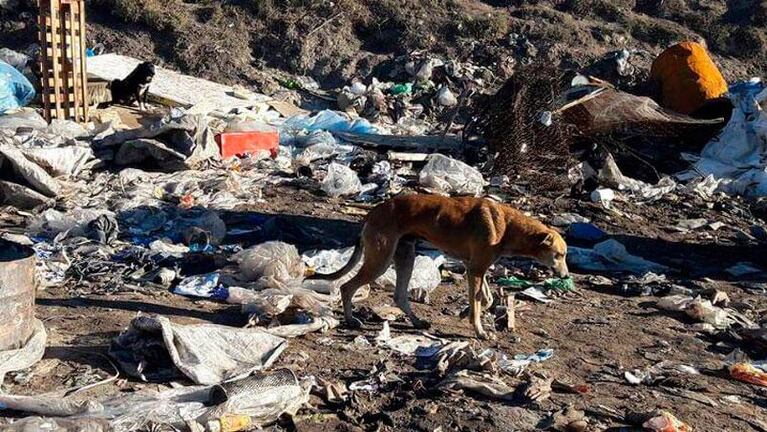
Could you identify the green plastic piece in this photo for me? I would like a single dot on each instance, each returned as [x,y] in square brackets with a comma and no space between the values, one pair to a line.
[399,89]
[566,284]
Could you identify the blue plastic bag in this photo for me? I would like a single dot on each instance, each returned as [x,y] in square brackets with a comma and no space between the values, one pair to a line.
[15,89]
[585,232]
[326,120]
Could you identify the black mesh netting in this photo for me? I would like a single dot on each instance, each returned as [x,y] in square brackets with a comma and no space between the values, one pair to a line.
[527,150]
[536,122]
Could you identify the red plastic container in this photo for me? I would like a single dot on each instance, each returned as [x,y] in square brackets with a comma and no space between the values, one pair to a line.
[242,143]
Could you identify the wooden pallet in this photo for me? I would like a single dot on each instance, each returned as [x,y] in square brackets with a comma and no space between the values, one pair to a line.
[62,42]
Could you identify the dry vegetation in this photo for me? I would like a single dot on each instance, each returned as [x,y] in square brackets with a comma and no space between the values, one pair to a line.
[233,40]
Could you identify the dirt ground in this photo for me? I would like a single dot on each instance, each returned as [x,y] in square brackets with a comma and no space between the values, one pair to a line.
[596,332]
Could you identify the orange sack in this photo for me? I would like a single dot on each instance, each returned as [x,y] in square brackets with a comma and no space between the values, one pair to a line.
[688,77]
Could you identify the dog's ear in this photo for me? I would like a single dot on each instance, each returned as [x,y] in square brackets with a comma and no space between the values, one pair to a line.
[545,239]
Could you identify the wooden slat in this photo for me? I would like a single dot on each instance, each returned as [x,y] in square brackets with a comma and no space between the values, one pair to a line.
[83,60]
[43,21]
[74,55]
[54,31]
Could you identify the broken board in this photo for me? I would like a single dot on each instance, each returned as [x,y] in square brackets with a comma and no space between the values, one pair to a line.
[173,88]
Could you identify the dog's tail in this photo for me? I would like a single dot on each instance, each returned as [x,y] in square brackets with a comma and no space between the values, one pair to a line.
[353,261]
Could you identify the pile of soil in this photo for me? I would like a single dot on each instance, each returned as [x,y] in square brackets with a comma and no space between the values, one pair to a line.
[235,41]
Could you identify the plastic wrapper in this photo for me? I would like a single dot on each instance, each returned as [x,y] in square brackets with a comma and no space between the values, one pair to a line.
[451,176]
[341,181]
[52,222]
[25,118]
[273,264]
[425,278]
[67,129]
[33,175]
[205,353]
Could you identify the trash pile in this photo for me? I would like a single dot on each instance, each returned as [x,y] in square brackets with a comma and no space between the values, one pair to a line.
[419,92]
[232,204]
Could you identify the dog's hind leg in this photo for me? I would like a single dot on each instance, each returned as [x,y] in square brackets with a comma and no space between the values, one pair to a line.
[378,251]
[404,259]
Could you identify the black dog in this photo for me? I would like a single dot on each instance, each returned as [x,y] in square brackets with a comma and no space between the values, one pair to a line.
[135,87]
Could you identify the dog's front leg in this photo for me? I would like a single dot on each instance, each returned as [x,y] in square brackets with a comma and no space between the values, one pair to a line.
[476,285]
[138,100]
[145,97]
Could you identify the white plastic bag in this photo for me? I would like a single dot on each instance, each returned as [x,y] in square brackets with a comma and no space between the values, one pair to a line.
[341,181]
[425,278]
[451,176]
[273,264]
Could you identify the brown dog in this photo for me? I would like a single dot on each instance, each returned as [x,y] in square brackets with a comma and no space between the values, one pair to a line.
[477,231]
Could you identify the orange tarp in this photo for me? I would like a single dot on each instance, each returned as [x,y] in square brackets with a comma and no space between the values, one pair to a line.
[688,77]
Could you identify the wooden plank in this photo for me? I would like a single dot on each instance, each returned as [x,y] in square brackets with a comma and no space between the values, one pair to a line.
[42,20]
[65,64]
[74,55]
[53,28]
[83,60]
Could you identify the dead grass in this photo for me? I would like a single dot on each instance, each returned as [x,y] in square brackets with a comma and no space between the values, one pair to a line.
[228,40]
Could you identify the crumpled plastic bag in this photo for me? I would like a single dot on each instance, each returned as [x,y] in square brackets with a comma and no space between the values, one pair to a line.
[205,353]
[22,197]
[24,118]
[15,89]
[451,176]
[424,279]
[16,59]
[327,261]
[67,129]
[698,309]
[187,134]
[60,161]
[53,222]
[35,176]
[341,181]
[273,264]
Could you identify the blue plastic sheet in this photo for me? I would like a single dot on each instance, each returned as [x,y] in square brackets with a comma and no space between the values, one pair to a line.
[326,120]
[15,89]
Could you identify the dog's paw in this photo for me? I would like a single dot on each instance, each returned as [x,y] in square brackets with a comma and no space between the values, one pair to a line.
[353,323]
[421,324]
